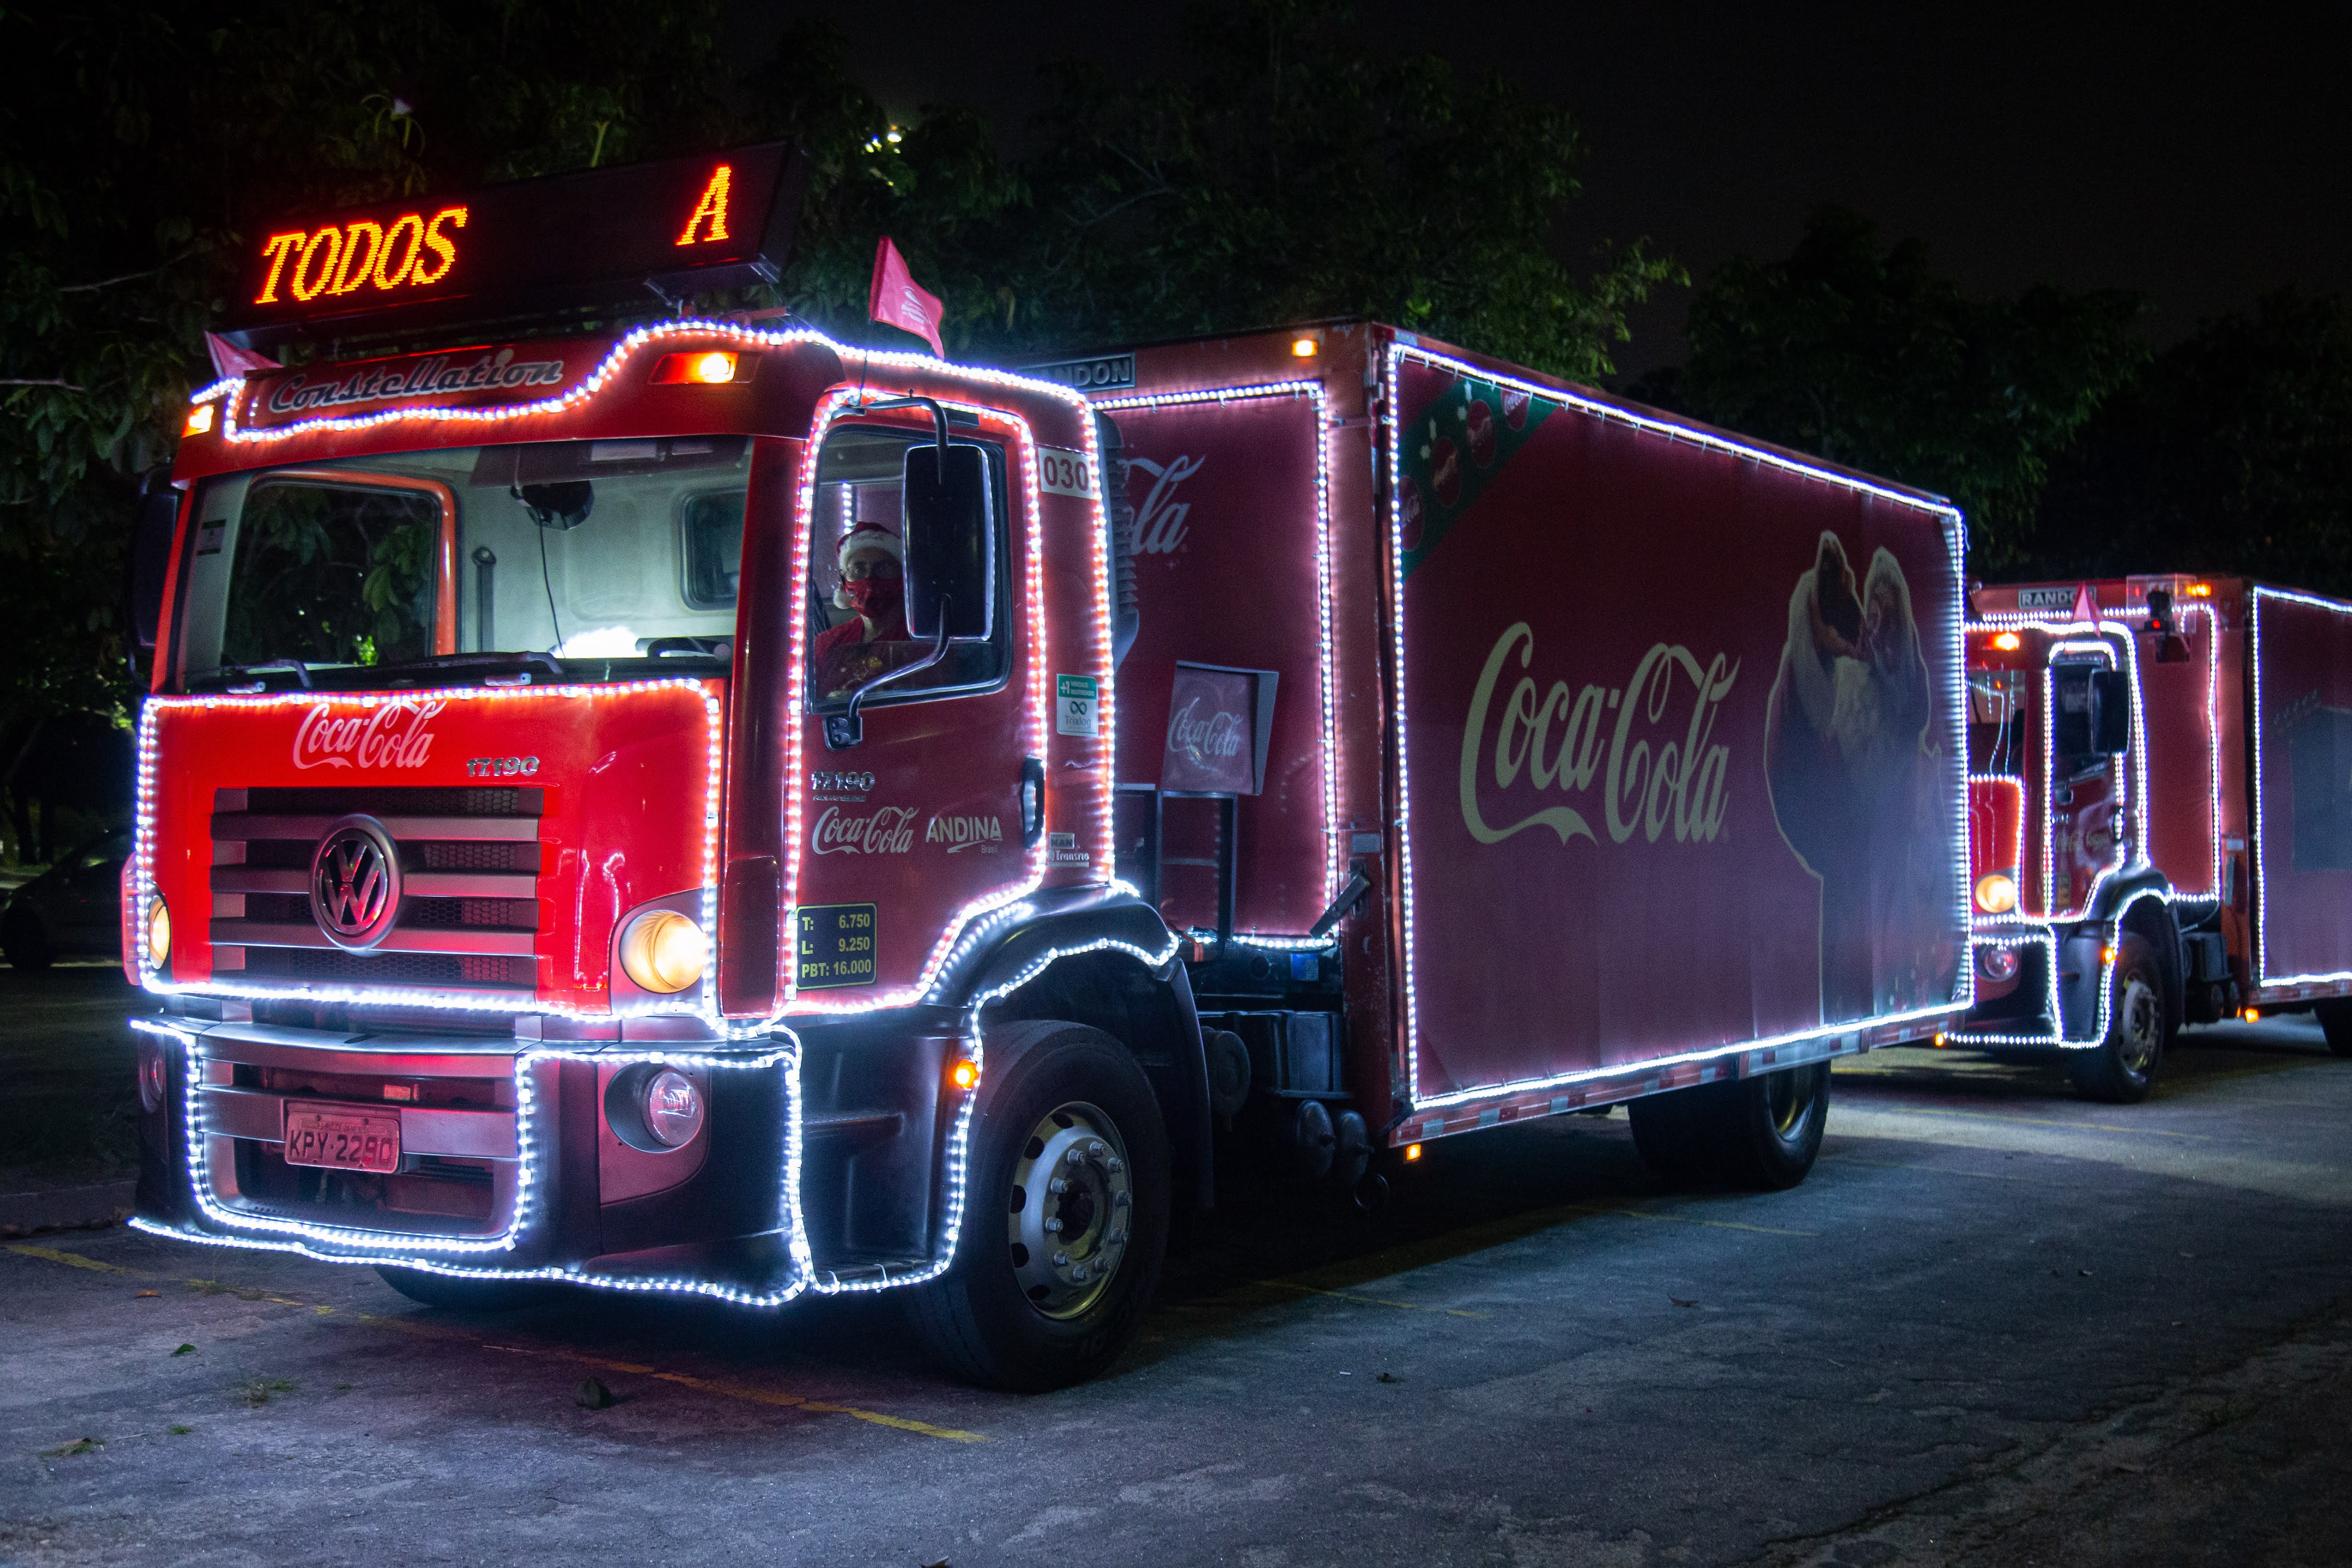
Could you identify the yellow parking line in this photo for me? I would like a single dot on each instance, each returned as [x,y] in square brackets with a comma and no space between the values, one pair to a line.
[729,1390]
[1369,1300]
[70,1259]
[1685,1219]
[2034,1121]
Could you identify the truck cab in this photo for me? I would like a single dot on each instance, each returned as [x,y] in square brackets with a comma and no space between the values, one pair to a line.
[2096,884]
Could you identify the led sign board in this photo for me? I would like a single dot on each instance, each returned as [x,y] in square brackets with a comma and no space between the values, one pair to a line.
[710,220]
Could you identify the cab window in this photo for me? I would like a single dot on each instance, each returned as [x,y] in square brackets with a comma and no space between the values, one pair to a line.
[856,608]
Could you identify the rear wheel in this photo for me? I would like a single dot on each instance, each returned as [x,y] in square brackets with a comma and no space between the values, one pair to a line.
[1771,1126]
[1761,1132]
[2121,1069]
[2336,1021]
[1065,1222]
[457,1293]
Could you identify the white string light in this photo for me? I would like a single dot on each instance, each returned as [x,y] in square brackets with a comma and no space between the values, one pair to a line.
[1402,349]
[144,833]
[1326,658]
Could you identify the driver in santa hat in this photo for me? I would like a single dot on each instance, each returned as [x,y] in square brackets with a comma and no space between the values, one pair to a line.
[852,653]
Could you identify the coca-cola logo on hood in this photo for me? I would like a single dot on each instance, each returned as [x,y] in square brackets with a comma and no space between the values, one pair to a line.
[389,735]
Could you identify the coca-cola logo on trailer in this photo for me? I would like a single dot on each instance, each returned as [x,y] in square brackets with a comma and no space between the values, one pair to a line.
[390,735]
[888,830]
[1205,736]
[1162,520]
[1647,744]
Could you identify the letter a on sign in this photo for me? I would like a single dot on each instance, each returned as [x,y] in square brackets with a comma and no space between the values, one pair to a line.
[711,212]
[897,300]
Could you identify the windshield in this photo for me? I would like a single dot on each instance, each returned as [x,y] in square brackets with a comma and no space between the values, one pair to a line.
[591,552]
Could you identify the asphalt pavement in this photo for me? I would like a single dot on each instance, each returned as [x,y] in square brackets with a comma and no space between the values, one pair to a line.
[1998,1325]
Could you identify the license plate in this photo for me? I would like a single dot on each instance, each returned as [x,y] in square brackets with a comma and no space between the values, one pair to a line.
[343,1137]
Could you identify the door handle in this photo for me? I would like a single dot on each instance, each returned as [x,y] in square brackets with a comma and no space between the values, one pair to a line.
[1032,801]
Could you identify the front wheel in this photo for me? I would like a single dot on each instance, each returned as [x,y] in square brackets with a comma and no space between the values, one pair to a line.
[1065,1222]
[2121,1069]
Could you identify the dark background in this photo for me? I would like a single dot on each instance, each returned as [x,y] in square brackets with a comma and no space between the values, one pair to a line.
[2198,159]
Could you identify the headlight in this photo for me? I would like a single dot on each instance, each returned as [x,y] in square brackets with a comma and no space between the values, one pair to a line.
[663,952]
[159,933]
[672,1108]
[1996,893]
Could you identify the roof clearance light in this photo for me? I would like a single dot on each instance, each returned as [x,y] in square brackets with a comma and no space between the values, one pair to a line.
[1996,893]
[200,420]
[2198,590]
[663,952]
[1304,348]
[709,367]
[2008,642]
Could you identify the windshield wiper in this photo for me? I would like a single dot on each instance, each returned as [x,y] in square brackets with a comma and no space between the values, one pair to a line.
[474,660]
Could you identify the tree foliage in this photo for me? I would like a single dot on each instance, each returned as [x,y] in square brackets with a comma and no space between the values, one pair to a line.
[1864,356]
[1281,172]
[2231,454]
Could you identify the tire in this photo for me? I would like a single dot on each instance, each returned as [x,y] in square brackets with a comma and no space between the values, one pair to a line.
[1009,1313]
[2336,1021]
[1770,1126]
[454,1294]
[1762,1132]
[2121,1069]
[26,944]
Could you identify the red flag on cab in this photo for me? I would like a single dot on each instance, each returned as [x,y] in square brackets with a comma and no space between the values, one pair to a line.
[229,360]
[898,301]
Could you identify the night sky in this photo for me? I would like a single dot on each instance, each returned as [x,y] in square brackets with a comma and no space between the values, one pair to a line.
[2201,160]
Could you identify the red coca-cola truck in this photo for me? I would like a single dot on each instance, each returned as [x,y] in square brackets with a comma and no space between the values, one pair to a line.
[2160,821]
[694,807]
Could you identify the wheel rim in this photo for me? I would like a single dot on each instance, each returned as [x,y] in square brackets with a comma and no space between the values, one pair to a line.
[1070,1210]
[1789,1097]
[2138,1025]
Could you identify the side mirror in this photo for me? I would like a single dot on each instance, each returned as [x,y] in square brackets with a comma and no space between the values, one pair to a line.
[2111,705]
[150,556]
[947,524]
[2094,716]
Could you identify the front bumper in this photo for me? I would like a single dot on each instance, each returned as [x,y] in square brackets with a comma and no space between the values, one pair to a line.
[509,1165]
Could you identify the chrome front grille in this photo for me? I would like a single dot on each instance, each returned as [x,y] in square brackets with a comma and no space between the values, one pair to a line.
[469,867]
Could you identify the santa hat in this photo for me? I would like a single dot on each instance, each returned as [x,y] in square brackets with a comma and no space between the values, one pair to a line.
[870,536]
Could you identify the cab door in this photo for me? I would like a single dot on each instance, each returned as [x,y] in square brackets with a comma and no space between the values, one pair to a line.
[902,833]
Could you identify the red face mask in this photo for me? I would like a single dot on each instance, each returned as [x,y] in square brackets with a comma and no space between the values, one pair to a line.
[875,598]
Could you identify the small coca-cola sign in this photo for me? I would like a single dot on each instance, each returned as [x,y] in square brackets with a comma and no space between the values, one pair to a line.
[1218,723]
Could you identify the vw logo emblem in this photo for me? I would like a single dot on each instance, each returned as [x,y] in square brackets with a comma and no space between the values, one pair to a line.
[355,883]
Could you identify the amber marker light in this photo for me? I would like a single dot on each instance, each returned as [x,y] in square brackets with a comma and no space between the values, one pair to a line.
[663,952]
[1412,1153]
[159,933]
[964,1074]
[1303,348]
[200,420]
[2008,642]
[709,367]
[2251,1015]
[1942,1041]
[1996,893]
